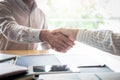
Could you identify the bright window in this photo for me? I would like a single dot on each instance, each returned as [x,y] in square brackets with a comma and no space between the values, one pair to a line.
[89,14]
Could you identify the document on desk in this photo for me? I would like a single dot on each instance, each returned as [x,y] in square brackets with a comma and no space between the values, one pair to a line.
[59,77]
[69,76]
[5,57]
[36,60]
[108,76]
[78,59]
[8,69]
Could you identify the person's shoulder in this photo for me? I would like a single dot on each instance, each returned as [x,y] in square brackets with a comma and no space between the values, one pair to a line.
[40,11]
[5,7]
[5,3]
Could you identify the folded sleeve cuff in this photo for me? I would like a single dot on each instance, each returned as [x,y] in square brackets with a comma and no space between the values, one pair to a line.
[34,37]
[82,35]
[79,34]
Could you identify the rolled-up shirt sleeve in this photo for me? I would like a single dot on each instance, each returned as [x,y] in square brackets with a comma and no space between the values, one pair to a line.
[15,32]
[12,31]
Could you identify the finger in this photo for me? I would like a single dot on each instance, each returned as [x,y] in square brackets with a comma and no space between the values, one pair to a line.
[59,50]
[67,40]
[56,31]
[61,37]
[62,49]
[59,43]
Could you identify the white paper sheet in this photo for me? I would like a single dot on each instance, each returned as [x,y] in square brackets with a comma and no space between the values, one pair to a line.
[70,76]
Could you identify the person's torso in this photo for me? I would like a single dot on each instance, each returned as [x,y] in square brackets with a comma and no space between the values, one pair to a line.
[34,19]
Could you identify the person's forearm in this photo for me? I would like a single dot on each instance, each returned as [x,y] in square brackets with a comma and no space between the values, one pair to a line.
[44,35]
[12,31]
[104,40]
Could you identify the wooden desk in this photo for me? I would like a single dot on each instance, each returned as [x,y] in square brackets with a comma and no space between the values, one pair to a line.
[24,52]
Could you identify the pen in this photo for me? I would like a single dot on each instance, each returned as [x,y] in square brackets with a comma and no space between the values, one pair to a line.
[91,66]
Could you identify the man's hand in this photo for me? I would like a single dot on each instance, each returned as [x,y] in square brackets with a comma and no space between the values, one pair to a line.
[57,40]
[70,33]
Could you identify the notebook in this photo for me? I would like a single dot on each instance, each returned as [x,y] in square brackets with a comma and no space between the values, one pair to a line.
[8,69]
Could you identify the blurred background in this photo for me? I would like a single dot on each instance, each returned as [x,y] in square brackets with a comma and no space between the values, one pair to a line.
[82,14]
[85,14]
[88,14]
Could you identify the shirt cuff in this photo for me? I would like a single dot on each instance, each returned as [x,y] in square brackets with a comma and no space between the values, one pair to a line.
[78,36]
[81,35]
[34,37]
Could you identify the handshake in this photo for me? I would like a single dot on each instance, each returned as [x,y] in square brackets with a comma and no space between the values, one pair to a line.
[60,40]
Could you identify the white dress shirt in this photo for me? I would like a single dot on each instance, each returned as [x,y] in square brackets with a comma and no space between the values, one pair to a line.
[103,39]
[20,27]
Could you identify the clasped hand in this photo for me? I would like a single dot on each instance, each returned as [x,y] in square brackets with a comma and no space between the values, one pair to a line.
[58,39]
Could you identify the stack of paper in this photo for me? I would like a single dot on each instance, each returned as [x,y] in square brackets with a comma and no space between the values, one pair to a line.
[69,76]
[8,69]
[109,76]
[81,76]
[5,57]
